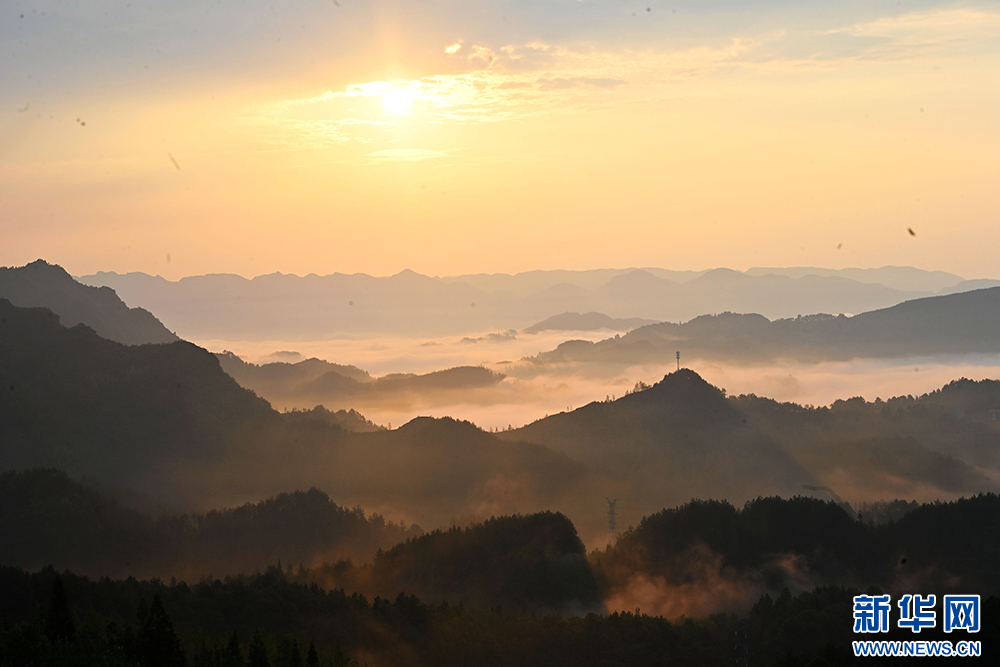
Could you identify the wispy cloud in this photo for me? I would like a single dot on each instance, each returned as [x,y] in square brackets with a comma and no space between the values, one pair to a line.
[513,81]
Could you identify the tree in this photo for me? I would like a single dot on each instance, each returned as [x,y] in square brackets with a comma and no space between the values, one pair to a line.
[158,644]
[258,652]
[289,654]
[312,657]
[59,621]
[234,651]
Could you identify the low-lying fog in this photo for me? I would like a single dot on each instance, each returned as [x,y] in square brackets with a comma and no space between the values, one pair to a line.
[530,391]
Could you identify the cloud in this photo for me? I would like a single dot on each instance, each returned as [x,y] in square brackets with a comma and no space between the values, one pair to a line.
[906,36]
[562,83]
[518,79]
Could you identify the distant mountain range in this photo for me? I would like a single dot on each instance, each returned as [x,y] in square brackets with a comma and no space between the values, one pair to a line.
[960,323]
[288,307]
[44,285]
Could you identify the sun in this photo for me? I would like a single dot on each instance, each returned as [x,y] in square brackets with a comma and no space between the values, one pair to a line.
[398,99]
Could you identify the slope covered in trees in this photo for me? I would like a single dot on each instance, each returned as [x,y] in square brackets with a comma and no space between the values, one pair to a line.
[683,438]
[52,520]
[802,543]
[168,420]
[532,563]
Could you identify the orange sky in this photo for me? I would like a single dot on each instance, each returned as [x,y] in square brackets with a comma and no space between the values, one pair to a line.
[499,137]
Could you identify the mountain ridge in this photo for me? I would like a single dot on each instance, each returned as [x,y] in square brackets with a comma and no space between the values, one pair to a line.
[40,284]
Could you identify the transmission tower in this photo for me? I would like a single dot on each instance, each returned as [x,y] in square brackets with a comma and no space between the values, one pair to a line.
[678,359]
[612,517]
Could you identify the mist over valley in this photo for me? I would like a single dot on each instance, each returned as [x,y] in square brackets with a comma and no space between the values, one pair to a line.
[479,469]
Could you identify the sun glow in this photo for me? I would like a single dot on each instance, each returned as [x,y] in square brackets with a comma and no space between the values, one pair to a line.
[398,99]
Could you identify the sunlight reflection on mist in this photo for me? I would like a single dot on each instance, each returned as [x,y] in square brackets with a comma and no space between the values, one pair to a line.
[530,392]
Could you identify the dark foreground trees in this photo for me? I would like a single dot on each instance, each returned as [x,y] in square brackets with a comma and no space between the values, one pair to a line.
[266,620]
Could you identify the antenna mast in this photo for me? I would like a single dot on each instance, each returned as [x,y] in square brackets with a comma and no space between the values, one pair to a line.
[678,359]
[612,517]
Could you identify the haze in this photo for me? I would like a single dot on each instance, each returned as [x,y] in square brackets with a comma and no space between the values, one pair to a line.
[528,392]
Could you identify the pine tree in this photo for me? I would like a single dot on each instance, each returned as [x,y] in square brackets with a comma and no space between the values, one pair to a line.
[234,651]
[59,621]
[258,652]
[289,654]
[312,657]
[159,645]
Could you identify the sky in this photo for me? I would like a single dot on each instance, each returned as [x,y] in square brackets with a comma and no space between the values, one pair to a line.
[444,136]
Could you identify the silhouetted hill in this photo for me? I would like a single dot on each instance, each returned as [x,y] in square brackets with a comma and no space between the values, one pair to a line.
[313,381]
[946,440]
[521,562]
[49,519]
[683,438]
[801,543]
[586,322]
[76,401]
[349,420]
[677,439]
[43,285]
[60,522]
[282,373]
[166,419]
[460,470]
[533,563]
[953,324]
[458,378]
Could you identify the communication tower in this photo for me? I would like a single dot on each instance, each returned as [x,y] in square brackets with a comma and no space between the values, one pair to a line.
[612,517]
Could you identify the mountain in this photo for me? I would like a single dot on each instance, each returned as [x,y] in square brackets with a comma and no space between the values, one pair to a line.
[904,278]
[533,282]
[710,549]
[289,307]
[74,400]
[586,322]
[683,438]
[969,285]
[63,523]
[314,381]
[43,285]
[679,438]
[953,324]
[168,420]
[946,440]
[534,562]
